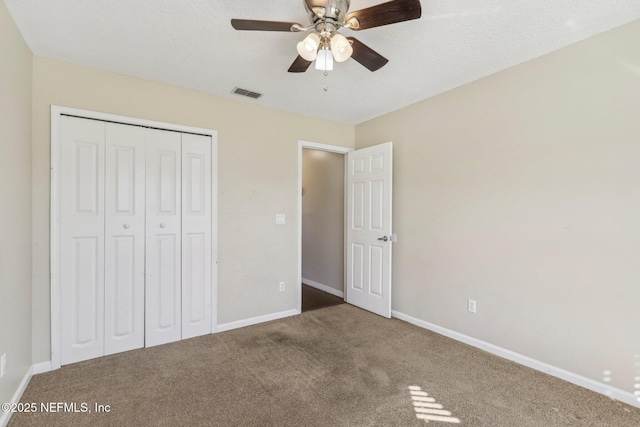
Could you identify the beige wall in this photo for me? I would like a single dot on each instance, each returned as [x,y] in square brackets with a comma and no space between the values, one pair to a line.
[15,204]
[323,218]
[257,173]
[522,191]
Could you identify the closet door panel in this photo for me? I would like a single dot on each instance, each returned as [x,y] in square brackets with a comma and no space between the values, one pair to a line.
[82,153]
[124,238]
[163,238]
[196,235]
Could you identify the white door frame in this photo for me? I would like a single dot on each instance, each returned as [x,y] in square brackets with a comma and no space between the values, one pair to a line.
[56,114]
[332,149]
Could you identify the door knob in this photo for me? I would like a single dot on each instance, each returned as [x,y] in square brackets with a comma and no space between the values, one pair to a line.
[163,225]
[384,238]
[126,226]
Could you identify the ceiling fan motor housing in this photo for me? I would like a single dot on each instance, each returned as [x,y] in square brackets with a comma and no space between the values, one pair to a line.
[327,10]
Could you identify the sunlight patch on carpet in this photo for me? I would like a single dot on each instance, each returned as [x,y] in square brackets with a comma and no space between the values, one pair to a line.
[427,409]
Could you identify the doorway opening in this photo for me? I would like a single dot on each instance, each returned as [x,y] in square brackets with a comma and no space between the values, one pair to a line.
[321,213]
[367,227]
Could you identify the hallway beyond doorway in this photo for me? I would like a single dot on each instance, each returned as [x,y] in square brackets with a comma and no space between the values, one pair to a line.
[313,299]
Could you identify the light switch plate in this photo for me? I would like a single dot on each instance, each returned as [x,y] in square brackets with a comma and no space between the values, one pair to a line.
[280,219]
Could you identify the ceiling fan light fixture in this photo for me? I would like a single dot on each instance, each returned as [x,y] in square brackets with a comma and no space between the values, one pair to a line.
[308,48]
[324,60]
[341,48]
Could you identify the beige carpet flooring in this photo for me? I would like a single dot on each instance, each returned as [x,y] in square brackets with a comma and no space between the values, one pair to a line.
[338,366]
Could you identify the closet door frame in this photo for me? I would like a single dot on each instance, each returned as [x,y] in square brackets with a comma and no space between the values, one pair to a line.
[57,112]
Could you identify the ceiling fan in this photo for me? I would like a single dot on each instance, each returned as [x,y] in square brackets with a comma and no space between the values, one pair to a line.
[324,43]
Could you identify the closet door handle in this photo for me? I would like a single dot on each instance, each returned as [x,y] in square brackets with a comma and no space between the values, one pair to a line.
[126,226]
[163,225]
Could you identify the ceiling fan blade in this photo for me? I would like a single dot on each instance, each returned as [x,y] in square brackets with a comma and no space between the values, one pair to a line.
[366,56]
[384,14]
[253,25]
[300,65]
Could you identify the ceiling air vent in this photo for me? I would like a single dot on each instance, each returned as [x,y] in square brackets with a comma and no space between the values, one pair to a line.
[245,92]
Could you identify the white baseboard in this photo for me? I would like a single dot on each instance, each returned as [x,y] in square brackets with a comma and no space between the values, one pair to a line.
[42,367]
[325,288]
[6,416]
[255,320]
[588,383]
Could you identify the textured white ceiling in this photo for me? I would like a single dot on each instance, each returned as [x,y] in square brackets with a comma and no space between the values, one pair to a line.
[191,44]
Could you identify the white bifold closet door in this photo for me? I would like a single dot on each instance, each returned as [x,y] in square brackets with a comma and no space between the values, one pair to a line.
[164,257]
[82,158]
[178,298]
[136,237]
[124,238]
[197,230]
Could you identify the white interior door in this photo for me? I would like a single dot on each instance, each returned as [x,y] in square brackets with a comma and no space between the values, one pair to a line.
[369,181]
[163,316]
[82,177]
[196,235]
[124,238]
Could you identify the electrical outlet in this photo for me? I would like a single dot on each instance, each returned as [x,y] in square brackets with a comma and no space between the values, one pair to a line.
[281,219]
[471,306]
[3,364]
[281,286]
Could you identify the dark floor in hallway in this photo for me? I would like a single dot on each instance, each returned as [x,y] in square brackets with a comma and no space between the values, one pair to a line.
[313,299]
